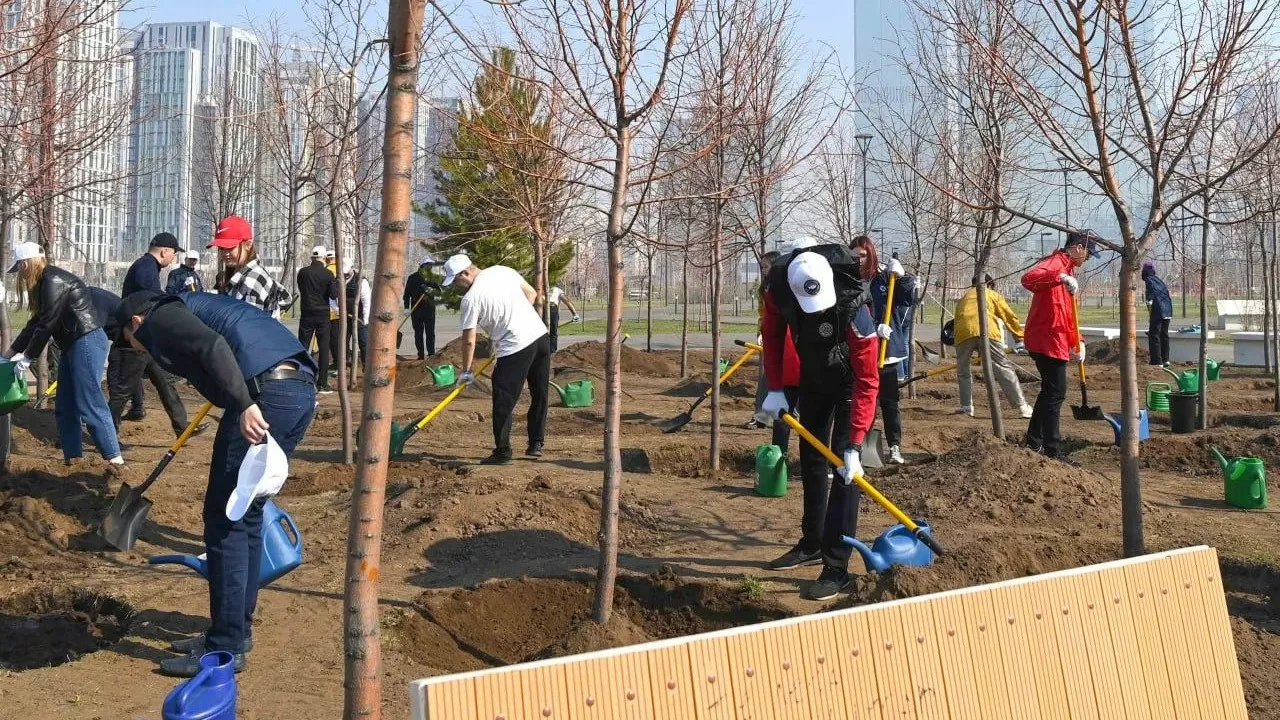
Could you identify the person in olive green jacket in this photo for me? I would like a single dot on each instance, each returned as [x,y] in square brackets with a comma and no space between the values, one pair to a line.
[999,316]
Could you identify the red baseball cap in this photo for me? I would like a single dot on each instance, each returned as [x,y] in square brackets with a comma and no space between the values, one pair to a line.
[232,231]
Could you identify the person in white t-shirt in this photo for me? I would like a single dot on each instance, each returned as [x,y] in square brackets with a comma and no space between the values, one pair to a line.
[556,296]
[499,302]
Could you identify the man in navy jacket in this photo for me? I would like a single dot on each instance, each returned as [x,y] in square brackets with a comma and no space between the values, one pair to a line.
[1160,305]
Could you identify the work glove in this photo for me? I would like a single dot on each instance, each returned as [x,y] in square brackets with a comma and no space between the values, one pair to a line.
[1018,347]
[408,312]
[895,268]
[884,331]
[1070,282]
[1078,353]
[775,403]
[852,465]
[577,318]
[21,361]
[466,378]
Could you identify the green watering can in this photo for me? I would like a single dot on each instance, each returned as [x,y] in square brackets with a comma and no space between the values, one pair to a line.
[1213,369]
[771,471]
[1158,396]
[579,393]
[444,375]
[13,388]
[1244,481]
[1188,381]
[724,365]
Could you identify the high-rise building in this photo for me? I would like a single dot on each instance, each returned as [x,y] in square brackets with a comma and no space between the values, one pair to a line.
[194,141]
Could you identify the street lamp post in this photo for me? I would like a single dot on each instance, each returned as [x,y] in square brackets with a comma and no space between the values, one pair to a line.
[864,145]
[880,233]
[1044,235]
[1066,199]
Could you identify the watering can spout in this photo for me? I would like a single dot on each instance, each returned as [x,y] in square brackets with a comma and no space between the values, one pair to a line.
[1222,461]
[191,561]
[875,562]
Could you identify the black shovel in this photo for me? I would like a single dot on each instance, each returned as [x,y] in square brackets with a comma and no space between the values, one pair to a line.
[686,417]
[129,509]
[1084,411]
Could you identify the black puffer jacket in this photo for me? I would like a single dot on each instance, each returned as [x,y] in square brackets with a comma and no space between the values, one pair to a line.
[66,313]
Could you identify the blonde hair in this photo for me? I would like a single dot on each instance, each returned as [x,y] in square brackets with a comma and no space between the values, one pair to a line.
[31,271]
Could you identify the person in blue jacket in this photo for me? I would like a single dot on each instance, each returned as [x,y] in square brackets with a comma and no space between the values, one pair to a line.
[244,361]
[896,334]
[1160,306]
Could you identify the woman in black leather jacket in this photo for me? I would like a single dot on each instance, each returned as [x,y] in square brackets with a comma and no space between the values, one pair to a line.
[61,310]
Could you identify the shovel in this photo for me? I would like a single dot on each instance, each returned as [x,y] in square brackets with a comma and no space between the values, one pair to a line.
[921,533]
[405,319]
[400,435]
[686,417]
[931,373]
[1084,411]
[888,316]
[129,509]
[48,393]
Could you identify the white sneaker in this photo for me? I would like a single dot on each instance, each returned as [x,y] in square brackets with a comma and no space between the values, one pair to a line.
[1027,411]
[117,460]
[895,456]
[965,410]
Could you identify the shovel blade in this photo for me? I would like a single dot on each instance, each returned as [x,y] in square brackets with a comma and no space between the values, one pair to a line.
[400,435]
[124,519]
[1087,412]
[676,423]
[872,455]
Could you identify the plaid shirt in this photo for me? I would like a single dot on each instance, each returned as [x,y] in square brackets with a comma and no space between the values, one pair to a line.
[254,285]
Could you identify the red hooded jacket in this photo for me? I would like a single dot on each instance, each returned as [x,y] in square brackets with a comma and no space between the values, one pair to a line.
[1050,327]
[863,358]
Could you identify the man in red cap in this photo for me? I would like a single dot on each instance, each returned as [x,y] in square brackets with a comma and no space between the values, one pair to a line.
[249,280]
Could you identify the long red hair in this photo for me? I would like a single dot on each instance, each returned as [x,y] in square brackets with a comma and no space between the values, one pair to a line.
[870,261]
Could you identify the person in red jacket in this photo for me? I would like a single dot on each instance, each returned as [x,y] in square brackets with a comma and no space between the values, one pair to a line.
[1051,337]
[816,294]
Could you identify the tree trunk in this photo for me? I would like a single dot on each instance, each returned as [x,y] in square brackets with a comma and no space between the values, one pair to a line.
[344,396]
[362,640]
[684,309]
[611,493]
[540,279]
[1130,480]
[648,297]
[6,332]
[1267,300]
[1202,405]
[984,353]
[942,301]
[1274,310]
[714,446]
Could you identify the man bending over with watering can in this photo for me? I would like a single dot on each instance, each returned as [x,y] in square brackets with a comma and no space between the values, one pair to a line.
[247,363]
[818,294]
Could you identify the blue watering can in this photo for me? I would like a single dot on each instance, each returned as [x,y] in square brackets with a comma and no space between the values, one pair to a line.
[895,546]
[281,548]
[1144,425]
[210,695]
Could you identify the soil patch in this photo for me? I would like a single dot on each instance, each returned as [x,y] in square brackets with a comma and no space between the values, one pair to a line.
[589,355]
[1109,352]
[323,479]
[42,515]
[691,461]
[452,353]
[697,385]
[513,621]
[50,629]
[1255,422]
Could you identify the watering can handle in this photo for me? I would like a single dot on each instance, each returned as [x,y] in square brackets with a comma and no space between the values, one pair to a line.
[293,528]
[192,685]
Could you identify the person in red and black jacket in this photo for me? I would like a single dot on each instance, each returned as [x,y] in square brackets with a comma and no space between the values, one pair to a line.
[1051,337]
[816,294]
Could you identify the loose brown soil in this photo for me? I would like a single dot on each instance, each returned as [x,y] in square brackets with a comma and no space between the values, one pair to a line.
[48,629]
[1109,352]
[483,566]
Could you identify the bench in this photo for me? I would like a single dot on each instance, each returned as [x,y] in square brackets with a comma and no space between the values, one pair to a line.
[1239,314]
[1145,637]
[1183,346]
[1097,334]
[1248,348]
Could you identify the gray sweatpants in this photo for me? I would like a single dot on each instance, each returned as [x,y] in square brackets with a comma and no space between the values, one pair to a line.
[1006,375]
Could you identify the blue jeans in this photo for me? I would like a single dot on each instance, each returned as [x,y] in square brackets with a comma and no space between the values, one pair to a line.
[235,548]
[79,397]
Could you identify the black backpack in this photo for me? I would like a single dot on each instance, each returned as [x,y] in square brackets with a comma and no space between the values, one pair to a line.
[851,293]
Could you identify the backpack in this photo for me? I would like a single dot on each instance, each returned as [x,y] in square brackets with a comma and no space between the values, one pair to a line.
[851,294]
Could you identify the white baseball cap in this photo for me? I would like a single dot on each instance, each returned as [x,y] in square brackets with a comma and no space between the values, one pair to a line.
[24,251]
[318,251]
[193,255]
[427,259]
[262,474]
[812,281]
[453,266]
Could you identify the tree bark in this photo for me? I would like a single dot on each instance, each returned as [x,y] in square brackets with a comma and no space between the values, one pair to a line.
[1274,310]
[1202,405]
[1130,479]
[714,445]
[1267,300]
[344,395]
[984,350]
[362,639]
[648,297]
[684,309]
[6,332]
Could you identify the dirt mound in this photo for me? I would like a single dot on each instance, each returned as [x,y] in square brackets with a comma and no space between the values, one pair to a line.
[697,385]
[1190,454]
[452,353]
[589,355]
[42,515]
[1109,352]
[323,479]
[50,629]
[1257,650]
[511,621]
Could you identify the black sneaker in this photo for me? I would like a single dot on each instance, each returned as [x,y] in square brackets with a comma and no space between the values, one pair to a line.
[534,450]
[795,557]
[830,583]
[135,415]
[497,458]
[192,644]
[200,429]
[188,666]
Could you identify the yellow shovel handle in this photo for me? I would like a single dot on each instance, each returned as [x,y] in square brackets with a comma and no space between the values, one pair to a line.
[753,346]
[1075,321]
[191,427]
[732,369]
[888,316]
[861,481]
[48,392]
[484,364]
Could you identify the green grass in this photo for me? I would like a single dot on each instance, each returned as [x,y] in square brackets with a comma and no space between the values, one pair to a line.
[751,587]
[637,328]
[1092,315]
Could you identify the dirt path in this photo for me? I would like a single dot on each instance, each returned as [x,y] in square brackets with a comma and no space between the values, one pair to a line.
[484,566]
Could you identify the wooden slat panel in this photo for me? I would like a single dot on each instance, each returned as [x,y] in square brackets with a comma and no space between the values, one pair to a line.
[990,665]
[825,668]
[893,670]
[788,666]
[922,656]
[1015,649]
[1208,585]
[498,695]
[1037,606]
[451,700]
[1068,612]
[857,667]
[712,685]
[753,677]
[953,632]
[672,690]
[1146,625]
[1124,638]
[546,694]
[1183,680]
[1096,638]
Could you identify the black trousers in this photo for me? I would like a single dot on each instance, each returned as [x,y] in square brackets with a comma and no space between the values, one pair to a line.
[126,368]
[1158,340]
[424,329]
[1042,432]
[781,430]
[889,410]
[531,366]
[830,506]
[317,327]
[554,327]
[335,341]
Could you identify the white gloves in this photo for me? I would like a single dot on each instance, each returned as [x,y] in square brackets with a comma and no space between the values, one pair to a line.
[466,378]
[852,465]
[884,331]
[895,268]
[775,403]
[1018,347]
[408,312]
[1078,353]
[1070,282]
[22,361]
[577,318]
[759,339]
